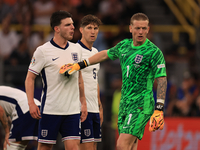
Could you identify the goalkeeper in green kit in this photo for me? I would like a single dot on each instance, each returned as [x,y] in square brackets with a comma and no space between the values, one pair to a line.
[141,62]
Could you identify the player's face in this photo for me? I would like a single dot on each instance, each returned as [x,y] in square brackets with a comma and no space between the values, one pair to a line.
[66,28]
[90,32]
[139,30]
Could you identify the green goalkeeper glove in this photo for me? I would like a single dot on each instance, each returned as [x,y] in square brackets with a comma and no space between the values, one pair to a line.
[157,119]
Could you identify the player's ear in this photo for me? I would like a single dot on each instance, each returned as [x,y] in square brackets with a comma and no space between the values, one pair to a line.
[56,29]
[81,29]
[130,28]
[148,29]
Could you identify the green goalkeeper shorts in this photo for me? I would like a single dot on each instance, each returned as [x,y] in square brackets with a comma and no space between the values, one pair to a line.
[132,121]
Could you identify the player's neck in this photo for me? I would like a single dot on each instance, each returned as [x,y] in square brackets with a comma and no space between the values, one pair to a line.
[135,43]
[87,44]
[60,41]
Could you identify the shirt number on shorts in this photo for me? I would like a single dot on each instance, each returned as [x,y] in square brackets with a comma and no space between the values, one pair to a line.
[129,119]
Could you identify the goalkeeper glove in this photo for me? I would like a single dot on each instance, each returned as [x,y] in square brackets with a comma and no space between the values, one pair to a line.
[65,68]
[72,68]
[157,120]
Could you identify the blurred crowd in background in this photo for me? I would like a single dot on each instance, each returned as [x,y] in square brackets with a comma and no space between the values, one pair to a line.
[17,46]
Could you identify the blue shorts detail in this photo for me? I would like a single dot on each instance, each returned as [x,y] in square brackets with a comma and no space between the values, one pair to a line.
[24,128]
[91,128]
[67,125]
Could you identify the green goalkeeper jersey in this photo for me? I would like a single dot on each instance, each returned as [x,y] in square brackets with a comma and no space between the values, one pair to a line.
[140,65]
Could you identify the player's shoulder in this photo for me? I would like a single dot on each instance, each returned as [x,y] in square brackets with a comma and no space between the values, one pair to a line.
[152,46]
[81,46]
[124,43]
[44,46]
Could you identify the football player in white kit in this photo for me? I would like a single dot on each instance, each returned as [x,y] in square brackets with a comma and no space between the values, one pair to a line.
[61,96]
[14,105]
[91,127]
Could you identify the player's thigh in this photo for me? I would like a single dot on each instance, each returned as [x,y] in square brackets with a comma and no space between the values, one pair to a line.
[97,128]
[70,128]
[88,146]
[91,128]
[48,128]
[72,144]
[135,145]
[134,123]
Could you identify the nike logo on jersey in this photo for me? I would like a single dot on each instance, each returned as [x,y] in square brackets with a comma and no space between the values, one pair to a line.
[125,127]
[53,59]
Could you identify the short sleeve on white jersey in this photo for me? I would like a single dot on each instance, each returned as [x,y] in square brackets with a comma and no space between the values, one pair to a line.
[37,62]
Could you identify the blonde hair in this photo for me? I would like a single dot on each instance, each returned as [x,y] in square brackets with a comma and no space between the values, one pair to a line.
[139,16]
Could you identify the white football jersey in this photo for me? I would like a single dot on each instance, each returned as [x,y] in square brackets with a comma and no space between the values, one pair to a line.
[60,95]
[14,101]
[90,78]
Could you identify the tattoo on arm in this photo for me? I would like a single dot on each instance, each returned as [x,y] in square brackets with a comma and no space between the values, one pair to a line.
[162,87]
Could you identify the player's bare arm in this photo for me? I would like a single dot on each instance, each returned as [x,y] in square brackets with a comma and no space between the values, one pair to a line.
[100,106]
[29,85]
[82,98]
[98,57]
[5,124]
[162,87]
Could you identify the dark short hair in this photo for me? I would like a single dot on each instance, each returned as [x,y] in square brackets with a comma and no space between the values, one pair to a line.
[90,19]
[139,16]
[57,16]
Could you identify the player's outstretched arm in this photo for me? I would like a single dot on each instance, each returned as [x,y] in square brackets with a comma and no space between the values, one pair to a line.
[84,112]
[5,124]
[157,119]
[29,85]
[97,58]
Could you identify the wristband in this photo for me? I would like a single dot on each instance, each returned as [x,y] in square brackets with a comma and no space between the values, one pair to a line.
[84,63]
[159,107]
[87,60]
[162,101]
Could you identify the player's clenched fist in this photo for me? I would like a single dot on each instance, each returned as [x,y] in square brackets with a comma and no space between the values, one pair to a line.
[156,121]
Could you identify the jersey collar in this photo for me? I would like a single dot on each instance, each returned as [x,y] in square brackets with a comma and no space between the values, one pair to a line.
[137,47]
[83,45]
[56,45]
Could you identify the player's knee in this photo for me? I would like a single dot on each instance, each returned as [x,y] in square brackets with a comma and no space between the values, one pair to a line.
[88,146]
[120,146]
[16,146]
[72,144]
[42,146]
